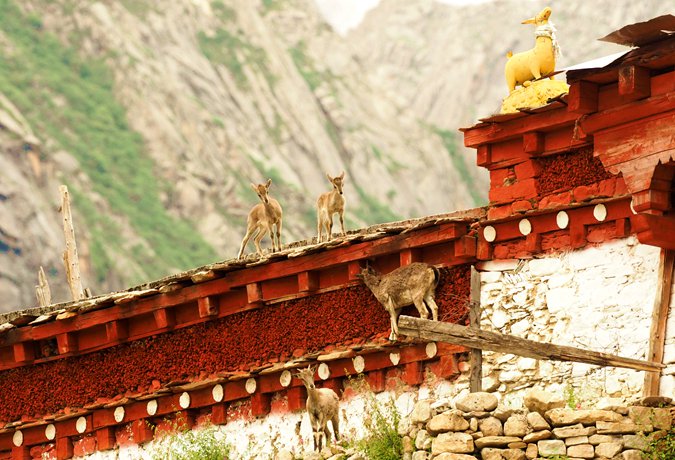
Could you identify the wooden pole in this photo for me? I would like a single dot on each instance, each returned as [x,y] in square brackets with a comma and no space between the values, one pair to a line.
[476,355]
[70,259]
[502,343]
[657,336]
[42,291]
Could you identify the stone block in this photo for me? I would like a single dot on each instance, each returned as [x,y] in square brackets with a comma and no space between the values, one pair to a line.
[659,418]
[442,423]
[542,401]
[549,448]
[537,436]
[457,443]
[421,412]
[423,440]
[624,427]
[608,449]
[479,401]
[573,431]
[564,416]
[516,425]
[537,421]
[581,451]
[491,426]
[632,455]
[597,439]
[451,456]
[532,451]
[495,441]
[576,440]
[420,455]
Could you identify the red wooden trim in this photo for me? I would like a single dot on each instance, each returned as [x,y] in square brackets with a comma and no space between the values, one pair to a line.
[105,438]
[116,330]
[67,343]
[484,155]
[219,414]
[308,281]
[22,453]
[260,404]
[615,116]
[410,255]
[24,352]
[297,398]
[583,97]
[490,133]
[208,306]
[164,318]
[413,373]
[655,230]
[533,142]
[64,448]
[254,293]
[141,431]
[634,82]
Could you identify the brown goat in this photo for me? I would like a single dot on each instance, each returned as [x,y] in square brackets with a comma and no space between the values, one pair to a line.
[322,406]
[330,203]
[411,284]
[262,219]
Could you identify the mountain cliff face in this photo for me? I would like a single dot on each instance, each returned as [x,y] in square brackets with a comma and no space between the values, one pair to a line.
[159,117]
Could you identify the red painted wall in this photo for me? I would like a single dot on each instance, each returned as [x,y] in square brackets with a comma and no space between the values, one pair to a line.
[236,342]
[570,169]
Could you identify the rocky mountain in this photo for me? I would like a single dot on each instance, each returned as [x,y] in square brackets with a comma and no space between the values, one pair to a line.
[158,115]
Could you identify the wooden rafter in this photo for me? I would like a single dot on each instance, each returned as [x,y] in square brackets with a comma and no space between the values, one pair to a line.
[494,341]
[476,355]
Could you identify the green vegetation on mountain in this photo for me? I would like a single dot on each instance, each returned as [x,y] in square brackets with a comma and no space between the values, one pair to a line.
[70,101]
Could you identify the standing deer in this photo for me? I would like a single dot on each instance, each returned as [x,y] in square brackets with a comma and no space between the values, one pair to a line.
[411,284]
[262,219]
[322,406]
[330,203]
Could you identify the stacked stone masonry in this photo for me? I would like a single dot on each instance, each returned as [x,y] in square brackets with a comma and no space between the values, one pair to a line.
[475,426]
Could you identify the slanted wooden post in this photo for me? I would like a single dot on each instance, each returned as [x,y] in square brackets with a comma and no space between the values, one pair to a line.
[476,358]
[657,336]
[70,259]
[493,341]
[42,291]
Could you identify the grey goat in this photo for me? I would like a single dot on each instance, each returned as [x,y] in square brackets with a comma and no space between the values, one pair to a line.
[322,406]
[411,284]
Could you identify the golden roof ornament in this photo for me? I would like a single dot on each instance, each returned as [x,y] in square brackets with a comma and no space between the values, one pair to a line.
[530,68]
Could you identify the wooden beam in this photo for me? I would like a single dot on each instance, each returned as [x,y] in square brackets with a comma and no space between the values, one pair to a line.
[583,97]
[533,142]
[634,82]
[657,336]
[502,343]
[42,291]
[476,355]
[70,258]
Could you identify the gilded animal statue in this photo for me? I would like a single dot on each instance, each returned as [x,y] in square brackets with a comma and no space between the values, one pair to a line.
[523,68]
[327,205]
[265,217]
[411,284]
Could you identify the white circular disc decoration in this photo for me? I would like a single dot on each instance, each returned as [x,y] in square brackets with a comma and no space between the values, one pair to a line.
[218,393]
[17,439]
[489,233]
[81,425]
[151,407]
[359,364]
[50,432]
[395,358]
[632,209]
[431,349]
[251,385]
[562,219]
[285,378]
[525,227]
[324,371]
[119,414]
[184,400]
[600,212]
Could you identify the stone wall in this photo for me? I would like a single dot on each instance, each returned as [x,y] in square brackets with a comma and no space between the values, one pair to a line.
[668,377]
[598,298]
[473,426]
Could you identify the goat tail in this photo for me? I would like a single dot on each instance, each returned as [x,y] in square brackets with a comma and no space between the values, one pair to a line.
[437,276]
[509,54]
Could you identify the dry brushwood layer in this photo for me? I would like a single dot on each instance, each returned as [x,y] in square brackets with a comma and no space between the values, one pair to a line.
[239,342]
[569,170]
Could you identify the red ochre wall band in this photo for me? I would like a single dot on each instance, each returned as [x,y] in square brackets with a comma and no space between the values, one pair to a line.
[237,342]
[570,169]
